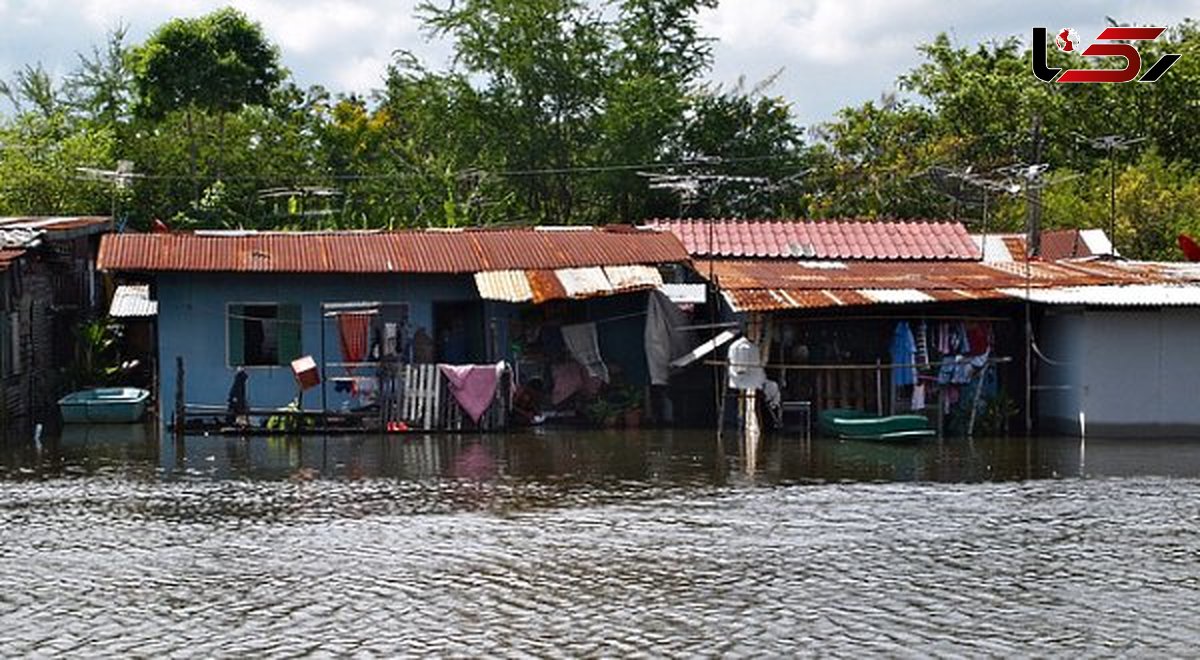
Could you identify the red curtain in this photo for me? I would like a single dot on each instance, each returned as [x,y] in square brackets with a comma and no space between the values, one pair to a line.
[354,329]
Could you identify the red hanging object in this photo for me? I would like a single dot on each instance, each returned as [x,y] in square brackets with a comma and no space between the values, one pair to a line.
[1191,250]
[353,330]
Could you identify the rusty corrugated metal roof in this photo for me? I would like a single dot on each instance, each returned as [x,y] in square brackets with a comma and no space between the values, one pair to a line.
[539,286]
[8,256]
[1057,245]
[764,285]
[58,224]
[966,275]
[826,239]
[389,252]
[764,300]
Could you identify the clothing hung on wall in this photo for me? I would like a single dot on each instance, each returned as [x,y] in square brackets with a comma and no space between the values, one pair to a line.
[922,337]
[903,351]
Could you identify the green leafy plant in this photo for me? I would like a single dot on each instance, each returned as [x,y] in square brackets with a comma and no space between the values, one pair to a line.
[96,363]
[290,423]
[993,419]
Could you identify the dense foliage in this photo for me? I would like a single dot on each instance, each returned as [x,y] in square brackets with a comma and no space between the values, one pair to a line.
[560,111]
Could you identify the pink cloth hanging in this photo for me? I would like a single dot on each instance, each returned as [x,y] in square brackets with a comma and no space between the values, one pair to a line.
[473,386]
[569,378]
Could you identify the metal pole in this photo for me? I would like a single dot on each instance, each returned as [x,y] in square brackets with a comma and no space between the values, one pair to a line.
[324,396]
[1034,248]
[1112,201]
[180,405]
[878,387]
[983,243]
[1028,369]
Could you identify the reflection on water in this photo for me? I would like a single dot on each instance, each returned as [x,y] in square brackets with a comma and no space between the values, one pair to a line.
[596,543]
[687,457]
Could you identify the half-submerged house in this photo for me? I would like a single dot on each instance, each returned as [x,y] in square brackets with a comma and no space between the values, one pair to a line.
[865,315]
[891,317]
[251,303]
[48,286]
[1115,348]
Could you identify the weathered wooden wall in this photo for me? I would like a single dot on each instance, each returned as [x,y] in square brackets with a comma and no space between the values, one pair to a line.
[51,290]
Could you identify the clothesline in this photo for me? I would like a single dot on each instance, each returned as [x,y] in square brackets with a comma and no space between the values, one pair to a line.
[1002,360]
[994,319]
[611,319]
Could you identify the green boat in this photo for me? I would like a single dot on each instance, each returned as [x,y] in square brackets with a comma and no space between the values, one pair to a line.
[105,405]
[858,425]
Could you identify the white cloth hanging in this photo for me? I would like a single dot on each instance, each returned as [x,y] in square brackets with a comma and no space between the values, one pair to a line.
[663,342]
[584,346]
[745,366]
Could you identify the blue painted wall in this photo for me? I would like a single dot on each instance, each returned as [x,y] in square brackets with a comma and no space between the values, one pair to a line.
[192,324]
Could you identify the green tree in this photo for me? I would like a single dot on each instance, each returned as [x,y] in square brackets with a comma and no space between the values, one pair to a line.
[746,155]
[101,88]
[38,160]
[212,65]
[869,163]
[32,89]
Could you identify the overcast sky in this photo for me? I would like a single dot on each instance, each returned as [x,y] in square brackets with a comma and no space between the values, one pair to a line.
[831,53]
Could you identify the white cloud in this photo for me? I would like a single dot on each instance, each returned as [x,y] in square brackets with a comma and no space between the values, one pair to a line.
[821,32]
[362,74]
[836,53]
[303,29]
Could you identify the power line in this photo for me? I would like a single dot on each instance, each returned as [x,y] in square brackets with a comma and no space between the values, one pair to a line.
[471,172]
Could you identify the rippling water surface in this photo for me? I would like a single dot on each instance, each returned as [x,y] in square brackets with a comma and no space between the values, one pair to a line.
[569,544]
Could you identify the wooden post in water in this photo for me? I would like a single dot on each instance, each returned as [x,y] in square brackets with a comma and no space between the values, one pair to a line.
[323,370]
[878,387]
[180,420]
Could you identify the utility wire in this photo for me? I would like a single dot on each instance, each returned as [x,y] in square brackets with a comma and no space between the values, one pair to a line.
[472,172]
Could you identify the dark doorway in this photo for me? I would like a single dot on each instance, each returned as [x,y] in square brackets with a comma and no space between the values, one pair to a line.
[458,328]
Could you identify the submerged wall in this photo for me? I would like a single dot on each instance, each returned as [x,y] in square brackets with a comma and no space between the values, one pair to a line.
[1131,372]
[192,323]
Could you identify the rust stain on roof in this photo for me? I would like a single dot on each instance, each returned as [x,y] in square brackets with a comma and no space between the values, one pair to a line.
[545,285]
[7,257]
[764,285]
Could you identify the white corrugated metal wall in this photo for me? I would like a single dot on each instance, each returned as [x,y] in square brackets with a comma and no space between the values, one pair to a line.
[1131,372]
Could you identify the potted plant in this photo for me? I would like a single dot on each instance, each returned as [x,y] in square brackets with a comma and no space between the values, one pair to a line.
[630,403]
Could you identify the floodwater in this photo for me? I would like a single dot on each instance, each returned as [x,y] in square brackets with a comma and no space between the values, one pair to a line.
[566,544]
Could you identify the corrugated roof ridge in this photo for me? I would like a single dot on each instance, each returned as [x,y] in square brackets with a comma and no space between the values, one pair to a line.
[849,220]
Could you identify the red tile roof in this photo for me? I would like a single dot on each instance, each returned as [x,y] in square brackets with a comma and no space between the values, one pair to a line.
[840,239]
[388,252]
